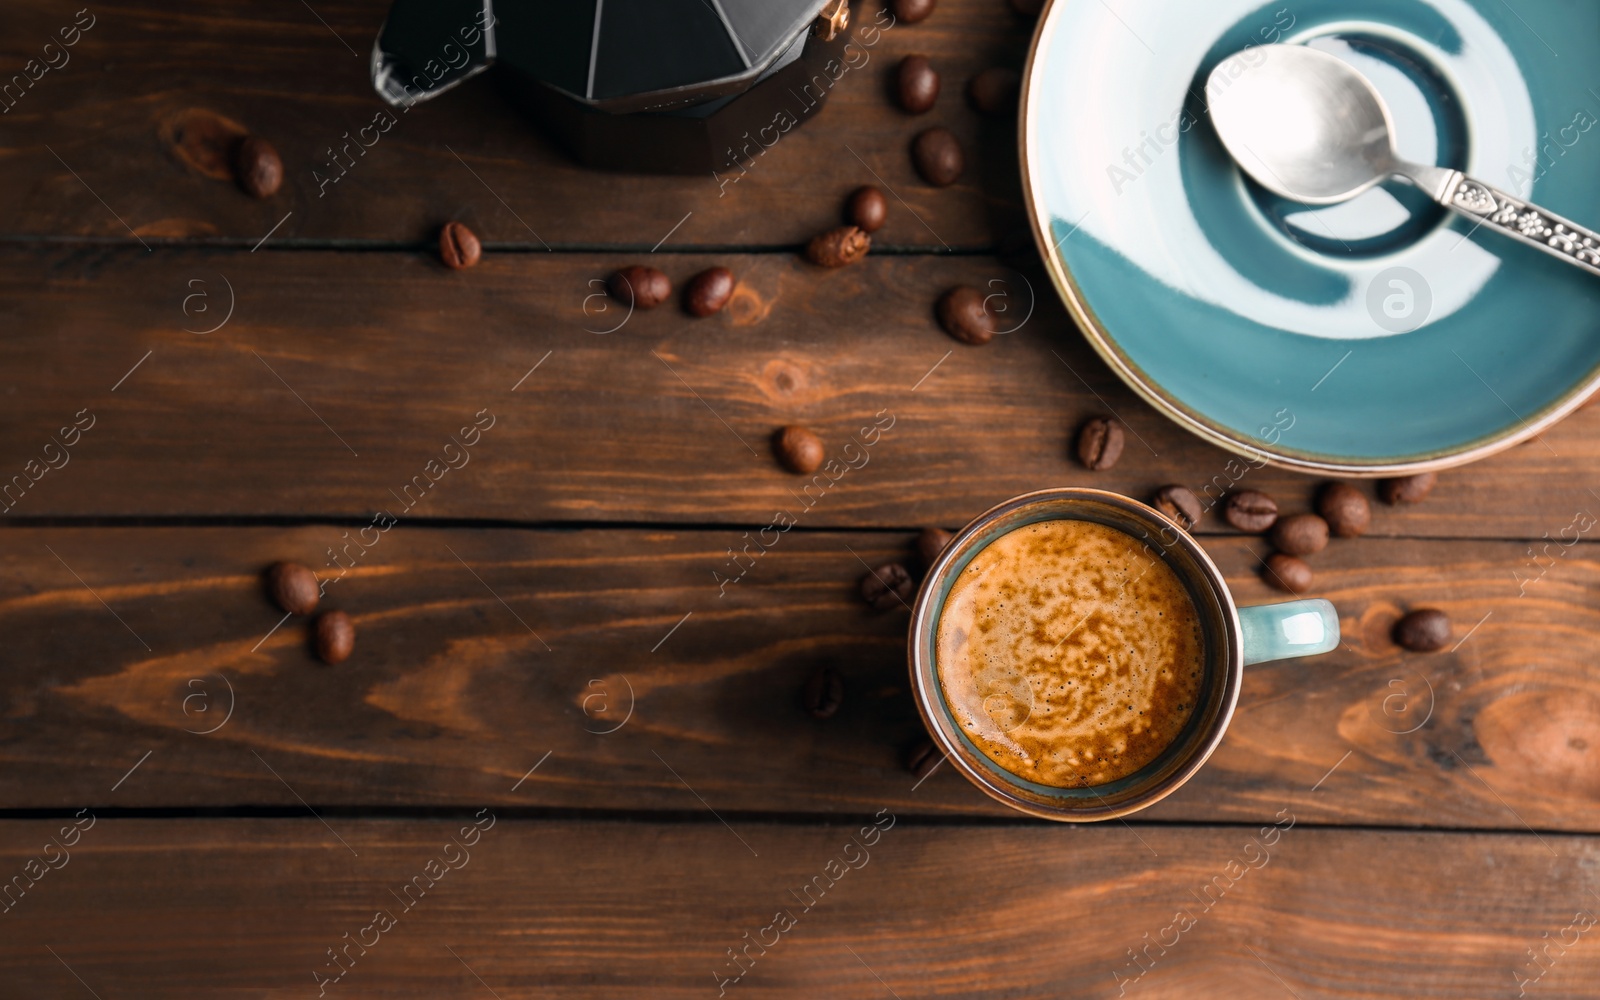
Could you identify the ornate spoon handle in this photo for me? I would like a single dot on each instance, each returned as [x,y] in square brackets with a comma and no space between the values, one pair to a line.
[1516,218]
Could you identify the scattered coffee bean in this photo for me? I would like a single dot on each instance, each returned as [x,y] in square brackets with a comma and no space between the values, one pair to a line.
[994,91]
[1100,444]
[257,167]
[293,587]
[931,543]
[922,758]
[916,85]
[1300,535]
[640,287]
[1411,489]
[707,292]
[838,247]
[798,449]
[1286,572]
[963,316]
[335,636]
[1180,504]
[1346,510]
[1423,631]
[937,155]
[1251,510]
[888,587]
[824,693]
[911,11]
[458,246]
[867,209]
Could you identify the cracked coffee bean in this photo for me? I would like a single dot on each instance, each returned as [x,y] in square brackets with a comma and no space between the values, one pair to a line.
[994,91]
[938,156]
[798,449]
[1300,535]
[1410,489]
[1346,510]
[888,587]
[707,292]
[335,636]
[1100,444]
[867,209]
[910,11]
[1180,504]
[1288,573]
[963,315]
[838,247]
[824,693]
[1426,630]
[916,85]
[931,543]
[1251,510]
[640,287]
[458,246]
[293,587]
[257,167]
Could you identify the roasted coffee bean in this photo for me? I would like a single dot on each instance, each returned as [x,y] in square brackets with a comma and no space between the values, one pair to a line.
[335,636]
[458,246]
[1100,444]
[293,587]
[1180,504]
[707,292]
[824,693]
[867,209]
[639,286]
[922,758]
[798,449]
[931,543]
[994,91]
[838,247]
[937,155]
[916,85]
[1300,535]
[1287,572]
[1346,510]
[257,167]
[910,11]
[888,587]
[1411,489]
[963,316]
[1250,510]
[1423,631]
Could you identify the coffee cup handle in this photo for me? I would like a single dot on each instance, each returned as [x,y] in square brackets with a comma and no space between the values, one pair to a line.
[1282,631]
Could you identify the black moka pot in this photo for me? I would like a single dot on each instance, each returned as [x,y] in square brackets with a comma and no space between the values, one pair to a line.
[659,86]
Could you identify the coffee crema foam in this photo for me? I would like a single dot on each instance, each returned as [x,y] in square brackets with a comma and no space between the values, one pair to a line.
[1069,653]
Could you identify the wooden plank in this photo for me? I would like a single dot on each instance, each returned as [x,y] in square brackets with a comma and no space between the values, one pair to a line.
[340,375]
[250,908]
[106,126]
[656,693]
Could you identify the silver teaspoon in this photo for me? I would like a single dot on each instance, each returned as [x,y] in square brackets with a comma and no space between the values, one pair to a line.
[1308,126]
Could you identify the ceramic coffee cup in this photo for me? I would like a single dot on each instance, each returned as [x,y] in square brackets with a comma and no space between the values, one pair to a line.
[1234,637]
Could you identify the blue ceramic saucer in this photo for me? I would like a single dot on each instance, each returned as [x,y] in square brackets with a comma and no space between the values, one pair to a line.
[1380,336]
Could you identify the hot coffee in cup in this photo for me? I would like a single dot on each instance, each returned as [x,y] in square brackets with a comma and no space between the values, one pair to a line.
[1078,656]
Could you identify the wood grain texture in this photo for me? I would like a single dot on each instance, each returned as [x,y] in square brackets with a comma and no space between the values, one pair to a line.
[249,908]
[339,375]
[137,110]
[452,696]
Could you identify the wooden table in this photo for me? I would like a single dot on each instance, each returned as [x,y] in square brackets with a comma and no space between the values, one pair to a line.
[588,751]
